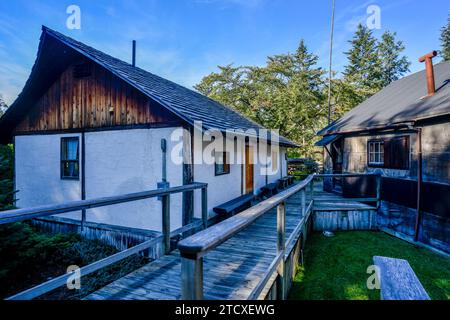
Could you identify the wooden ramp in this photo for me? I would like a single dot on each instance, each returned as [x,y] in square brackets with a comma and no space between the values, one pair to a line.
[234,268]
[231,271]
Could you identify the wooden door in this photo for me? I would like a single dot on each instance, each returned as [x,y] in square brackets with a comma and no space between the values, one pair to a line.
[249,167]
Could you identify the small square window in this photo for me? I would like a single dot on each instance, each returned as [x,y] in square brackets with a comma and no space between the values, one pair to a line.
[222,165]
[70,159]
[376,153]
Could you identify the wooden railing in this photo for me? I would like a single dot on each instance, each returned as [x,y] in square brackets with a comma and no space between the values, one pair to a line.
[48,210]
[377,197]
[194,248]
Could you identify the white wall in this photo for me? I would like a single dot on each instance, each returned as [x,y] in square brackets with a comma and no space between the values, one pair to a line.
[281,171]
[37,171]
[261,168]
[126,161]
[117,162]
[120,162]
[226,187]
[220,188]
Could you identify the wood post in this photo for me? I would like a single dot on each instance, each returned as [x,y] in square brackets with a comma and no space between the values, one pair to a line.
[378,191]
[83,219]
[83,178]
[166,222]
[303,200]
[205,207]
[281,246]
[192,278]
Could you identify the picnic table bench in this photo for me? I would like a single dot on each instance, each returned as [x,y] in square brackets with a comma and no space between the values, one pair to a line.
[398,280]
[235,206]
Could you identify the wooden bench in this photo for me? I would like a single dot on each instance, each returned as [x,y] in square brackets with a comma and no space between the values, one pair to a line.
[398,280]
[270,190]
[291,180]
[235,206]
[283,182]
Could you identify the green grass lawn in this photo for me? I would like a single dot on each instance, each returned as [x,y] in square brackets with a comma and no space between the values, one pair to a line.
[336,268]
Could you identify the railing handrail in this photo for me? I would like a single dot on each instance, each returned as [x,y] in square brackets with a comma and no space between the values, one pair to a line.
[53,209]
[200,243]
[346,175]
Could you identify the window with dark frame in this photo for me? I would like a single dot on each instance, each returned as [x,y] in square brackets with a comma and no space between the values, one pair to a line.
[222,165]
[70,158]
[389,153]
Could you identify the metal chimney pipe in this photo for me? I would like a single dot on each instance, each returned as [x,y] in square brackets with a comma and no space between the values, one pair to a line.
[428,59]
[134,54]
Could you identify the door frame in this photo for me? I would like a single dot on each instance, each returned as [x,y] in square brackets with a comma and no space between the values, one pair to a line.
[249,153]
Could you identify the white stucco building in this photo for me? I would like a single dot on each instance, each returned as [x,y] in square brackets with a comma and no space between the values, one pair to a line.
[88,125]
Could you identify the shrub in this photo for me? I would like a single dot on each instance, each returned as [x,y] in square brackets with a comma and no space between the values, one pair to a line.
[6,177]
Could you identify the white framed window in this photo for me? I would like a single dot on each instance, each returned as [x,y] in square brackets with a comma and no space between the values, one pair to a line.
[375,153]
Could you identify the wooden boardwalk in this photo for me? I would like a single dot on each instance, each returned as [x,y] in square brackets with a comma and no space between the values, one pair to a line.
[231,271]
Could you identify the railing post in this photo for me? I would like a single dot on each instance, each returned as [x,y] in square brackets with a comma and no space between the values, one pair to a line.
[303,200]
[166,222]
[281,246]
[83,219]
[311,188]
[205,207]
[192,278]
[378,191]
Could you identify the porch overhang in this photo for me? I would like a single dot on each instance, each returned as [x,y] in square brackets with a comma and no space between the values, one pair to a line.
[327,140]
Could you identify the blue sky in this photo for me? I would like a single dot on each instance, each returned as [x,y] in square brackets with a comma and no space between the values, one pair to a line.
[184,40]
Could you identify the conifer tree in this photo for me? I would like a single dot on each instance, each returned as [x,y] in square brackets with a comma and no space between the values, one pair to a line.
[392,64]
[445,40]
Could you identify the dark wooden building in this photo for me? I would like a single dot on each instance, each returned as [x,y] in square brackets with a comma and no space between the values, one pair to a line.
[402,133]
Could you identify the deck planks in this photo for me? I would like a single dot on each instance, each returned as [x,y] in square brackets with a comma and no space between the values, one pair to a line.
[231,271]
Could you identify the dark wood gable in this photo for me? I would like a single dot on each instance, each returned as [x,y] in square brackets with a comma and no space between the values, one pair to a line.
[88,96]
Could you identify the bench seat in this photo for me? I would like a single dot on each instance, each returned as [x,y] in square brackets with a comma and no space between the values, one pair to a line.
[398,280]
[270,190]
[236,205]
